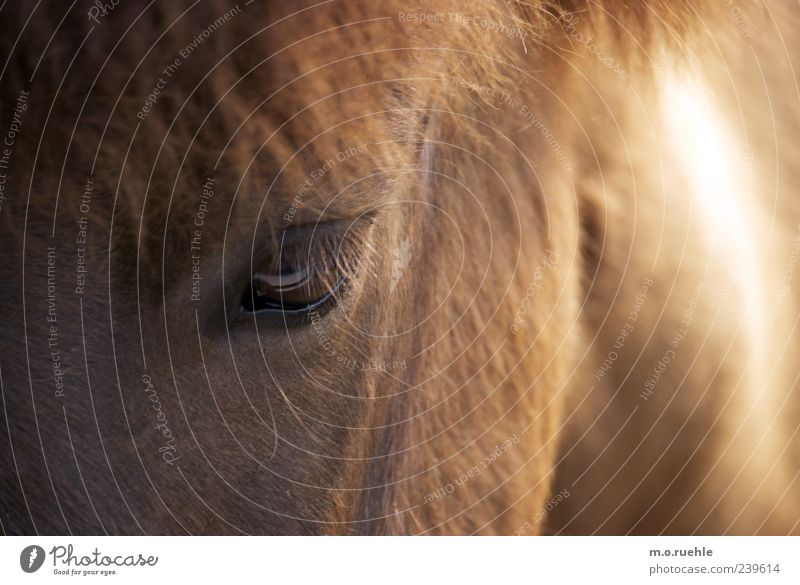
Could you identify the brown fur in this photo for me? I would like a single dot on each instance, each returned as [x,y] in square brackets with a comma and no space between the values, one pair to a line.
[277,435]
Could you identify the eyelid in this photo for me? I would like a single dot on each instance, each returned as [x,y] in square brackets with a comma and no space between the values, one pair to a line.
[325,246]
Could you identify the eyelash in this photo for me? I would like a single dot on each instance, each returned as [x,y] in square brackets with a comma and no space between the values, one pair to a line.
[329,262]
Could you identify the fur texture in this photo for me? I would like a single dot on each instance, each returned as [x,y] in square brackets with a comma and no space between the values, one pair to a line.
[512,188]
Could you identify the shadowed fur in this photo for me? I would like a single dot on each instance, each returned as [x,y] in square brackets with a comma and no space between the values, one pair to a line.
[514,186]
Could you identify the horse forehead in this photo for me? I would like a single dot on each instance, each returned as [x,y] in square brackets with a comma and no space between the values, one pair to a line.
[313,118]
[308,112]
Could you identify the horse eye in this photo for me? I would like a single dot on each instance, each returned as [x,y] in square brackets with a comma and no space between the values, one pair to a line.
[291,288]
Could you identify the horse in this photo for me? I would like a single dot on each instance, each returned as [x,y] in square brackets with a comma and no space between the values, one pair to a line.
[330,267]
